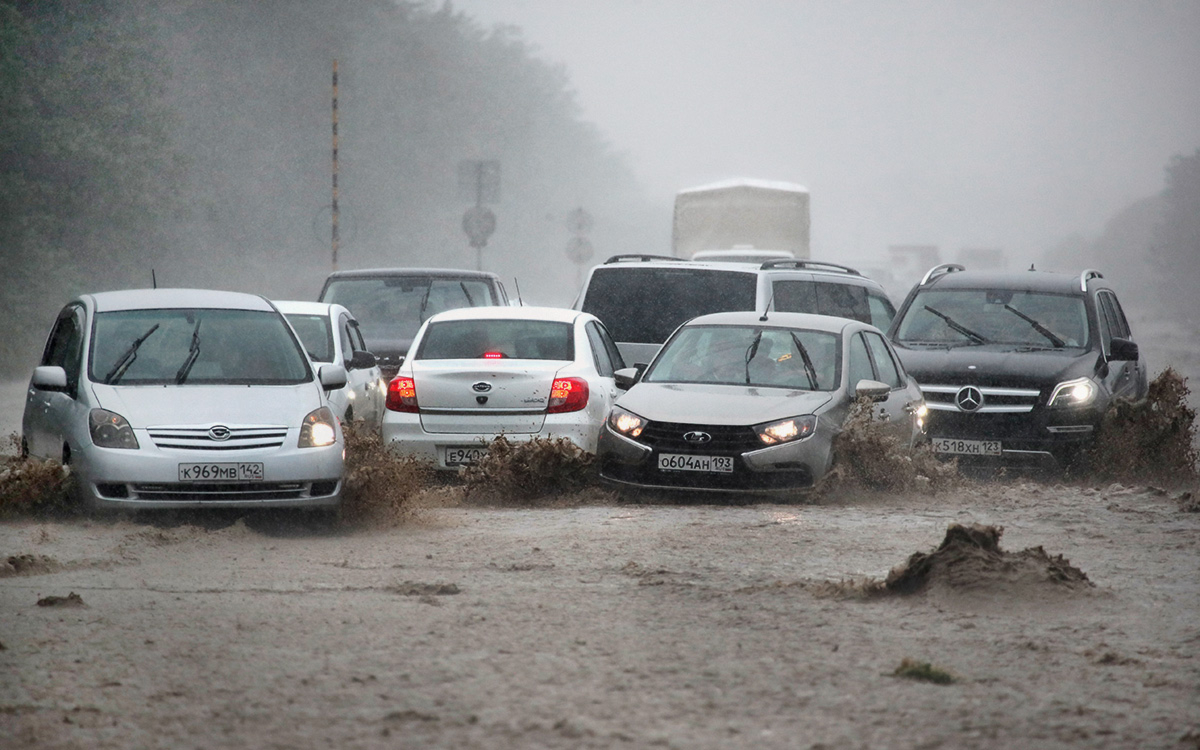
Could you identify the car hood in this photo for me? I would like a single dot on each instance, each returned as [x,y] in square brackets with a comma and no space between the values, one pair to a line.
[172,405]
[719,404]
[996,366]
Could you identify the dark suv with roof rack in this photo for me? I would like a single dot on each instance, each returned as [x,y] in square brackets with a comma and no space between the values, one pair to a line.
[642,299]
[1016,367]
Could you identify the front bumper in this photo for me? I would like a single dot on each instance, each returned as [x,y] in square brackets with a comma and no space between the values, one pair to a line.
[1040,436]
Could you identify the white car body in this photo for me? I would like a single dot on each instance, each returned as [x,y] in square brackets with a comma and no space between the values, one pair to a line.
[464,402]
[178,398]
[330,334]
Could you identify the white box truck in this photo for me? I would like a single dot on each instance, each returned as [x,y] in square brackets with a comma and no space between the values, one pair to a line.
[742,217]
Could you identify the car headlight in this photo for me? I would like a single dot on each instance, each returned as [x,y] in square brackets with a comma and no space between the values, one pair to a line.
[786,430]
[626,422]
[1077,392]
[318,430]
[111,430]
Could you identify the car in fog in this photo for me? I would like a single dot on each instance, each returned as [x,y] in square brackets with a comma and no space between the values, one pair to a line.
[1017,367]
[749,402]
[520,372]
[643,298]
[392,303]
[330,335]
[184,398]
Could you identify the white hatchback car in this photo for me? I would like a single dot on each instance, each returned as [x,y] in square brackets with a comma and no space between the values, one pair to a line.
[521,372]
[330,335]
[176,398]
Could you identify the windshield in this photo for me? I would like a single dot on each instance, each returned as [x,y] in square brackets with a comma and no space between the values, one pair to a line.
[394,307]
[195,346]
[498,339]
[316,334]
[995,316]
[644,305]
[750,355]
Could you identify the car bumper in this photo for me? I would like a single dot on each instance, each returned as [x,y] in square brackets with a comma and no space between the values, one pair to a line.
[1038,437]
[403,431]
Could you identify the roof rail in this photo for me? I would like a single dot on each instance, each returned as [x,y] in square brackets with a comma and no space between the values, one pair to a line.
[814,264]
[642,257]
[1087,276]
[941,270]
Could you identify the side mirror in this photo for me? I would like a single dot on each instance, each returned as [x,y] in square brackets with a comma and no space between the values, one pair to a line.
[361,360]
[49,378]
[872,389]
[1123,350]
[332,377]
[626,377]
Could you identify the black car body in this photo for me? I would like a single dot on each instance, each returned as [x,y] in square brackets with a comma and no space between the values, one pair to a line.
[392,303]
[1017,367]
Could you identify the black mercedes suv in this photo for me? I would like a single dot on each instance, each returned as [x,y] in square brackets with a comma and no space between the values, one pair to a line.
[1016,366]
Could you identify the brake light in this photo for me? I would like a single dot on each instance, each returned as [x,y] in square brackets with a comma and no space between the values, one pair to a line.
[567,394]
[493,355]
[402,395]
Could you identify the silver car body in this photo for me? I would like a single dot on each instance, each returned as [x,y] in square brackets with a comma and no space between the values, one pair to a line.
[331,335]
[149,374]
[503,382]
[694,422]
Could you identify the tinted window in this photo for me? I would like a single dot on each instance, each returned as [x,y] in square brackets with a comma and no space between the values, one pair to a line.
[604,364]
[746,355]
[882,311]
[1114,317]
[394,307]
[885,368]
[65,346]
[822,298]
[514,339]
[196,346]
[644,305]
[314,334]
[860,362]
[995,316]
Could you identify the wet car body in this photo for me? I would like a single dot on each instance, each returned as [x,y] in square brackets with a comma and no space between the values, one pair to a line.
[710,431]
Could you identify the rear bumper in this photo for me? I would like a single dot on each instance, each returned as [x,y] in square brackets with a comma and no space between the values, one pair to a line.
[404,433]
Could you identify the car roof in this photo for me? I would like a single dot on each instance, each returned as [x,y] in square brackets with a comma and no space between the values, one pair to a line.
[306,307]
[528,312]
[155,299]
[454,273]
[790,266]
[1031,281]
[807,321]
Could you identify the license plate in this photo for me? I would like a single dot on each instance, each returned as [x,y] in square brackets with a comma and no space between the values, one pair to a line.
[966,447]
[230,472]
[460,456]
[685,462]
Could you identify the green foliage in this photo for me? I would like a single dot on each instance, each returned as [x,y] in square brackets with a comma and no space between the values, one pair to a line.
[923,671]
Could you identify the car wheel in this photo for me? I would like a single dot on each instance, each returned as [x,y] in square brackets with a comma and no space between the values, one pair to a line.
[349,418]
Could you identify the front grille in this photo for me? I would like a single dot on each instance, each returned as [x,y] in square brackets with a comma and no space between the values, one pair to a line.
[667,437]
[201,438]
[996,400]
[246,491]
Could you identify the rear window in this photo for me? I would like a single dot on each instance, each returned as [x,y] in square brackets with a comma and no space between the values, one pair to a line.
[645,305]
[508,339]
[395,306]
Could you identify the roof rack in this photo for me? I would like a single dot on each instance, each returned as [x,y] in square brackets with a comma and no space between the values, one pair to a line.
[814,264]
[1087,276]
[641,257]
[941,270]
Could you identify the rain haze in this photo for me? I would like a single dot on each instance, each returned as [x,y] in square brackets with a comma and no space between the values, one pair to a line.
[995,124]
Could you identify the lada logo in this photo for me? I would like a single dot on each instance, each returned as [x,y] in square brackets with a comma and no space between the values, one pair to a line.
[695,436]
[481,387]
[219,432]
[968,398]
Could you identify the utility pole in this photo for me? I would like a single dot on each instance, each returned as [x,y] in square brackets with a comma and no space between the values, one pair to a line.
[334,236]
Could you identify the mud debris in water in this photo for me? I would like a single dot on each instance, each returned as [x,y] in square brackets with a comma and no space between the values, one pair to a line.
[923,671]
[28,565]
[537,469]
[70,600]
[412,588]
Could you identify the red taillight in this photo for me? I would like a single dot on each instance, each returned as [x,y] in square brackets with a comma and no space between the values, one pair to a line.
[493,355]
[402,395]
[567,394]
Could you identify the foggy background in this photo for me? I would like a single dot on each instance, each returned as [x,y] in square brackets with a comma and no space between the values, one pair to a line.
[189,140]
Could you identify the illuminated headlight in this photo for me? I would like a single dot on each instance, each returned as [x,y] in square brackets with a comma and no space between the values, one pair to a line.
[111,430]
[626,422]
[786,430]
[921,413]
[1078,392]
[317,430]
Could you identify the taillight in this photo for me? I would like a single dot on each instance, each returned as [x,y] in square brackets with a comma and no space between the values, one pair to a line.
[402,395]
[493,355]
[567,394]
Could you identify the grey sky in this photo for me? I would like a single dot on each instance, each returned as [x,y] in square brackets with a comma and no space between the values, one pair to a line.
[1010,123]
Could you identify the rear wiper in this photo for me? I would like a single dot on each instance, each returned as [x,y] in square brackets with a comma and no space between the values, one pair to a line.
[959,327]
[1058,343]
[193,355]
[751,351]
[809,370]
[118,370]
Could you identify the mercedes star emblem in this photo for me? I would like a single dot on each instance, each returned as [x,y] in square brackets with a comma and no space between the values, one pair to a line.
[969,398]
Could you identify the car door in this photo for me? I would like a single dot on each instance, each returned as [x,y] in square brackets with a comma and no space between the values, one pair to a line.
[49,413]
[364,381]
[895,409]
[607,360]
[1125,379]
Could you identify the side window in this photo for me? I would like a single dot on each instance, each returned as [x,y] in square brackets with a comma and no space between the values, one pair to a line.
[614,354]
[65,346]
[885,366]
[1114,317]
[882,311]
[860,362]
[356,336]
[347,337]
[794,296]
[604,364]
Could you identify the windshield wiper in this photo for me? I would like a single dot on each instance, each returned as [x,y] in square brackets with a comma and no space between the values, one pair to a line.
[1058,343]
[959,327]
[751,351]
[193,355]
[809,370]
[122,365]
[462,285]
[424,304]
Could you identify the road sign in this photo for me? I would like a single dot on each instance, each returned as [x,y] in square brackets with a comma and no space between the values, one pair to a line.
[479,181]
[579,221]
[479,223]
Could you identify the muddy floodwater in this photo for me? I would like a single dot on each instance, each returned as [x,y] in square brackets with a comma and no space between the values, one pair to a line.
[609,625]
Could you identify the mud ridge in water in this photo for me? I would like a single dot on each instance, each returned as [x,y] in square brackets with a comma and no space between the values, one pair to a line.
[29,565]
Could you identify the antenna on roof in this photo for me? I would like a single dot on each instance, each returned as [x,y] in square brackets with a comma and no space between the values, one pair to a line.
[153,279]
[517,284]
[770,301]
[1031,268]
